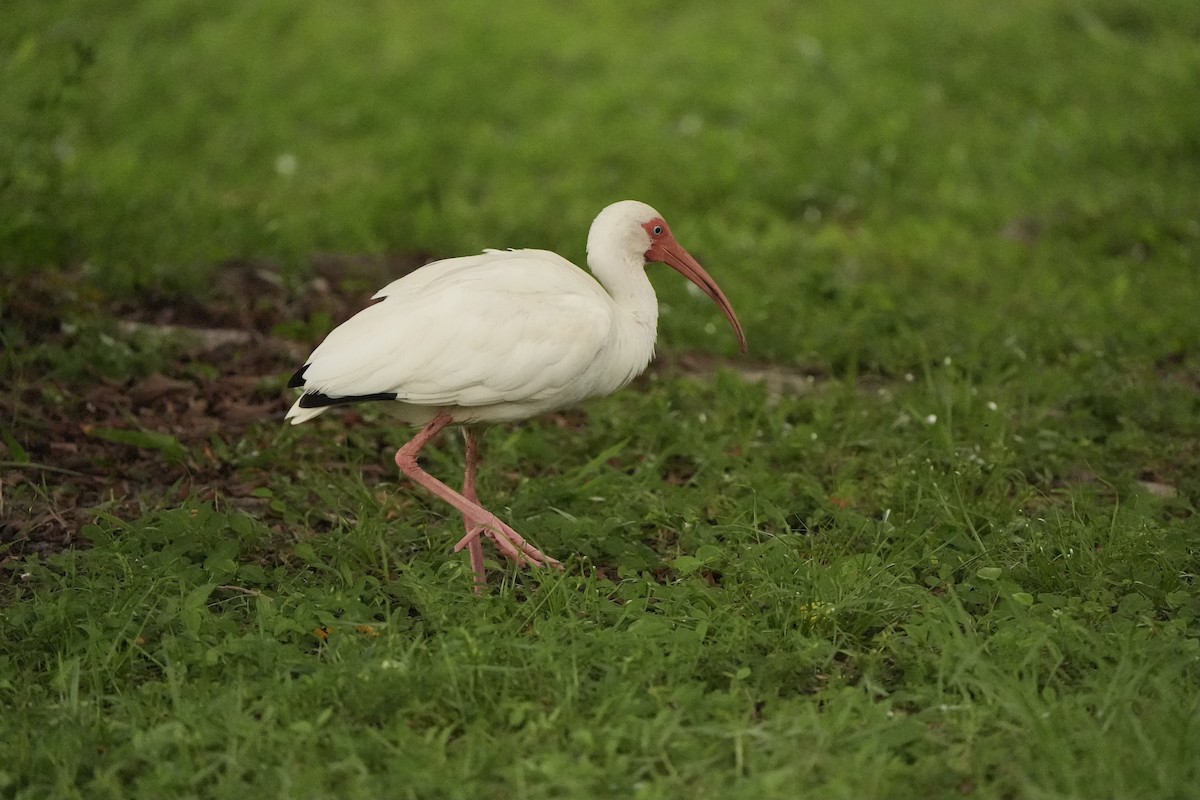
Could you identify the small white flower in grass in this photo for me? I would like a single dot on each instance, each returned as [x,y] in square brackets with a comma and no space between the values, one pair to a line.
[702,417]
[946,361]
[285,164]
[991,405]
[931,419]
[690,124]
[813,436]
[908,376]
[63,150]
[810,49]
[387,663]
[710,328]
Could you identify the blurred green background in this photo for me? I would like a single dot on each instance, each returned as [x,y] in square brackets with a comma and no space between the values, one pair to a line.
[963,170]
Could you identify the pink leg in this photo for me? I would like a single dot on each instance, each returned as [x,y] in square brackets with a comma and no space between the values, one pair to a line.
[474,546]
[476,518]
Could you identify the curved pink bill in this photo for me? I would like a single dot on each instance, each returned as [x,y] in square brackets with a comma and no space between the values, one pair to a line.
[672,253]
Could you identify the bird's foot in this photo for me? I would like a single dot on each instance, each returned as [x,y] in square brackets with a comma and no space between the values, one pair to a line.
[510,543]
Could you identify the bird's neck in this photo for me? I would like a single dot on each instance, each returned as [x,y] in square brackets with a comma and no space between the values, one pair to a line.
[631,290]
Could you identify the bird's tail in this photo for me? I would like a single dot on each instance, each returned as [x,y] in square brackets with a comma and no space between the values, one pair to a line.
[298,414]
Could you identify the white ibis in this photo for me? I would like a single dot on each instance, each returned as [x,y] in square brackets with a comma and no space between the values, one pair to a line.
[502,336]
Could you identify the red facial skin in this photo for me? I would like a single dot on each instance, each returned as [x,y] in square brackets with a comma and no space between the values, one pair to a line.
[664,249]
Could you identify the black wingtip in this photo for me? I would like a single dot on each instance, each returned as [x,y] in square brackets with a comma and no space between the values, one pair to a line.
[322,400]
[298,379]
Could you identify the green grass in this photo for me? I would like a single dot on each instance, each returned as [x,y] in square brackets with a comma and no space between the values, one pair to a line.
[962,563]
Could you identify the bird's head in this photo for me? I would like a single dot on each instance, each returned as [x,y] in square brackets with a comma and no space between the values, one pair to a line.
[634,231]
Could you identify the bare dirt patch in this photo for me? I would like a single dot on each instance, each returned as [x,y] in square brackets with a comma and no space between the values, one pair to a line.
[76,447]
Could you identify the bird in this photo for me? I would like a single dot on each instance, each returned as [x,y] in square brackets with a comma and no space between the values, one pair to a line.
[499,337]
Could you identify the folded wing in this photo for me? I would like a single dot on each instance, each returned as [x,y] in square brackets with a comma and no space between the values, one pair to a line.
[501,327]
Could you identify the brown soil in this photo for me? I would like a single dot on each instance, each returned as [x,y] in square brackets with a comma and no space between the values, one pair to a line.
[62,459]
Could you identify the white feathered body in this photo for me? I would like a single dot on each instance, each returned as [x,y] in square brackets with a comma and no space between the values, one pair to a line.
[501,336]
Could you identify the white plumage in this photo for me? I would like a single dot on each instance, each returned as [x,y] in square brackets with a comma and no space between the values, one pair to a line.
[502,336]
